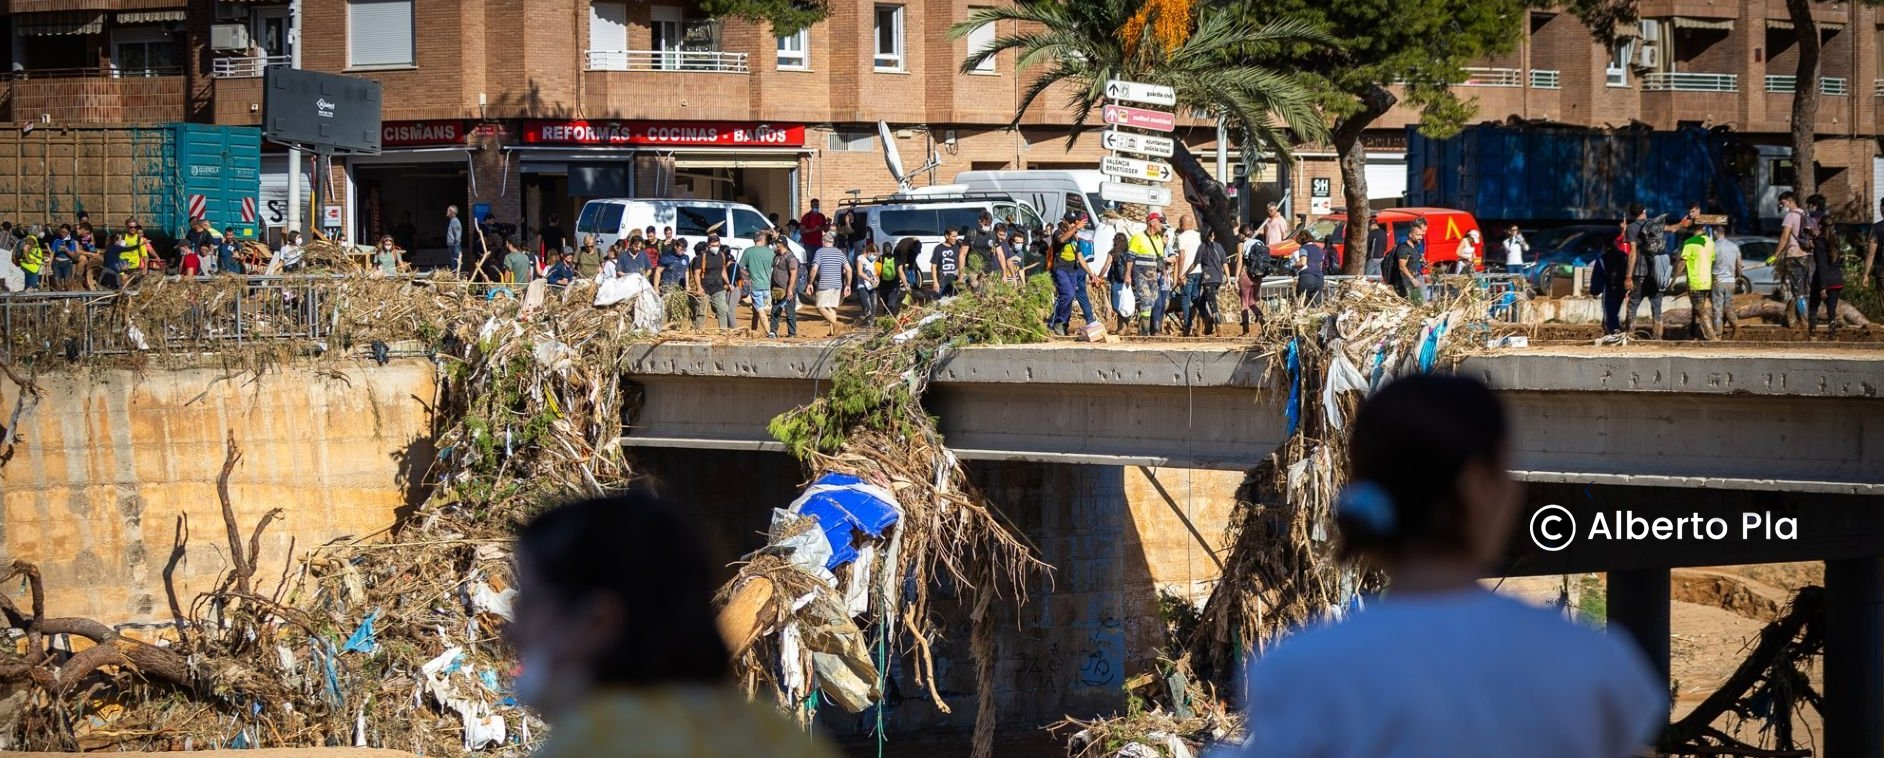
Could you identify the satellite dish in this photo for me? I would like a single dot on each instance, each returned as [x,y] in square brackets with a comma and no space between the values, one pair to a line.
[891,157]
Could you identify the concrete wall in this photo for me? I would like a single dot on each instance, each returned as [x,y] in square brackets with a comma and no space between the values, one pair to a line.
[112,463]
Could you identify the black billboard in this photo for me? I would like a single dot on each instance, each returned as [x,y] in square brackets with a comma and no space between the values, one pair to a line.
[324,112]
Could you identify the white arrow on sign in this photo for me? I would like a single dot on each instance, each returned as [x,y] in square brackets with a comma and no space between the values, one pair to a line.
[1137,92]
[1120,192]
[1143,144]
[1114,165]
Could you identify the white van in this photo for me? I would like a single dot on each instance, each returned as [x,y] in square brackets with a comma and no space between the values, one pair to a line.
[926,215]
[1053,193]
[619,218]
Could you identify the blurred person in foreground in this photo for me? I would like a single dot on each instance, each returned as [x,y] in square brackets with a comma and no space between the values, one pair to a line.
[1441,666]
[617,642]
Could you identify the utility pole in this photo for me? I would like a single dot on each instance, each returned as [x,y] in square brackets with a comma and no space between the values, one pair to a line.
[294,154]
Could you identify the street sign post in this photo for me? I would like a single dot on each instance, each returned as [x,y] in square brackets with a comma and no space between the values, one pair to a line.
[1139,118]
[1120,192]
[1155,94]
[1114,165]
[1143,144]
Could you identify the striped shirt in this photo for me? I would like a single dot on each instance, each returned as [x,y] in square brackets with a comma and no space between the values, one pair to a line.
[830,263]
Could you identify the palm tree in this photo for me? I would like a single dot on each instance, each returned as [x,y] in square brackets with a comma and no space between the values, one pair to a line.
[1220,68]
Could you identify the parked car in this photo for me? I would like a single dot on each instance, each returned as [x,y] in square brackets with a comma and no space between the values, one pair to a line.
[1555,252]
[1444,228]
[927,215]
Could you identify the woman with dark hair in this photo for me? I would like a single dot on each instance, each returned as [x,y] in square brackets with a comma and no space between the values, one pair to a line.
[1310,262]
[619,649]
[1441,666]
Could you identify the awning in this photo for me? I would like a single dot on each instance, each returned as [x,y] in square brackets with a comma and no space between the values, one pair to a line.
[1786,23]
[1689,22]
[149,17]
[59,23]
[682,160]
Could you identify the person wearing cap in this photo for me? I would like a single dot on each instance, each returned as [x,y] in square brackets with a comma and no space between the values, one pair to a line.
[1068,268]
[1148,250]
[1468,254]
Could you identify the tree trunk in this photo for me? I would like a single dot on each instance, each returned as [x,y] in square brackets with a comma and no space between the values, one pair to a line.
[1375,102]
[1805,99]
[1208,199]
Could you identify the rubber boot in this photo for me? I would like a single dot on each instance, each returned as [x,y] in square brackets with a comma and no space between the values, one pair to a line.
[1655,333]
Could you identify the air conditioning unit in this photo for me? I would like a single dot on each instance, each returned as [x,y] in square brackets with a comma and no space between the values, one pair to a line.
[229,37]
[1648,57]
[1651,30]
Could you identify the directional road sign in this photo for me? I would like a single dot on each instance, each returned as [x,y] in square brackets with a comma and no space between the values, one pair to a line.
[1155,94]
[1120,192]
[1139,118]
[1143,144]
[1115,166]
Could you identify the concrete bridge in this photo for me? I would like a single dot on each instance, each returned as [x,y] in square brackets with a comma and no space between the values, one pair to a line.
[1781,445]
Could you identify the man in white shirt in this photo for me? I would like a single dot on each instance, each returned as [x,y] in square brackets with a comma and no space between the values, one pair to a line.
[1515,248]
[1189,273]
[1275,228]
[290,253]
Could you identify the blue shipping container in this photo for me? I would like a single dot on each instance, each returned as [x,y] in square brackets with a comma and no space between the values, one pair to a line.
[1569,174]
[218,168]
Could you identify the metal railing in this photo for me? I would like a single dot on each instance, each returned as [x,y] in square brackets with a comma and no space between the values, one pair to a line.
[1492,77]
[1786,84]
[246,67]
[1682,81]
[1544,78]
[77,324]
[109,72]
[712,61]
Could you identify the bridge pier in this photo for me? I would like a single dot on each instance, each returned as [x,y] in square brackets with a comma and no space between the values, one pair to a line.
[1639,603]
[1854,657]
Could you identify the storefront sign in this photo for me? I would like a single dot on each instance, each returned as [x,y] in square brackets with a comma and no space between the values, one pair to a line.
[417,133]
[663,133]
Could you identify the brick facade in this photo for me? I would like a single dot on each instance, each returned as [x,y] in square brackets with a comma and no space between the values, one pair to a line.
[499,62]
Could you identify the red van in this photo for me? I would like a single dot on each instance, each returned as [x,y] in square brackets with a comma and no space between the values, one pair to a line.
[1444,228]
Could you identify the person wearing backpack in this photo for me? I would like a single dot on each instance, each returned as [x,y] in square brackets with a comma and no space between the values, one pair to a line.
[1795,258]
[1252,263]
[1649,267]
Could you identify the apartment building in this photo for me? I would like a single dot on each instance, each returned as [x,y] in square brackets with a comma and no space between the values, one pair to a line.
[524,108]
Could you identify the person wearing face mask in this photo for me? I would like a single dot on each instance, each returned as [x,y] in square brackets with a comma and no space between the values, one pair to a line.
[981,244]
[386,256]
[618,644]
[1441,665]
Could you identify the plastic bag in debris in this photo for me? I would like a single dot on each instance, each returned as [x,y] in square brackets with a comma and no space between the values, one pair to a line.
[843,684]
[136,336]
[857,590]
[1342,377]
[650,312]
[810,550]
[554,355]
[620,289]
[362,640]
[842,503]
[910,333]
[790,653]
[486,600]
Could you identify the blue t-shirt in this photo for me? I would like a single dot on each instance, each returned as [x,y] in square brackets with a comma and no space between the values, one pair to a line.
[673,267]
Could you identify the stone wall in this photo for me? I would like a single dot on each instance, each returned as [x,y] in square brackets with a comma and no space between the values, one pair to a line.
[113,466]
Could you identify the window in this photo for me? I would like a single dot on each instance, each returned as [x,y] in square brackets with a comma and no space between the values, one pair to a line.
[926,222]
[851,142]
[981,39]
[748,223]
[608,36]
[791,50]
[699,221]
[599,218]
[889,28]
[379,33]
[1616,73]
[144,51]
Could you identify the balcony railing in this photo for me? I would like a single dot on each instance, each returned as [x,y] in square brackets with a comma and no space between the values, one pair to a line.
[667,60]
[1786,84]
[1546,79]
[112,72]
[1493,77]
[1681,81]
[246,67]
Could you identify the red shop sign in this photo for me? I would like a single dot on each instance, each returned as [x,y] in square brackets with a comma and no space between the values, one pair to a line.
[416,133]
[664,133]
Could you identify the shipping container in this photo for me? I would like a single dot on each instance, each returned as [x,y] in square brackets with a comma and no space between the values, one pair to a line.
[1537,174]
[155,174]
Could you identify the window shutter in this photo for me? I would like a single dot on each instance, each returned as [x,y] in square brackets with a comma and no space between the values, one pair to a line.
[379,32]
[608,26]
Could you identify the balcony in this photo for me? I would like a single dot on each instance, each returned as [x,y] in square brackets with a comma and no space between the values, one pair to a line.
[1493,77]
[97,95]
[1877,88]
[1546,79]
[1785,84]
[710,61]
[1681,81]
[246,67]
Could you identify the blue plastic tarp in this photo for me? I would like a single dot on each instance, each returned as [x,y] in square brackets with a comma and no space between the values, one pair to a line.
[843,506]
